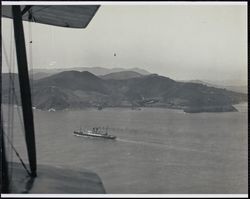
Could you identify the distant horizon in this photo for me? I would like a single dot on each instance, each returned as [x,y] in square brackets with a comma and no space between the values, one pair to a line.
[183,42]
[218,83]
[151,72]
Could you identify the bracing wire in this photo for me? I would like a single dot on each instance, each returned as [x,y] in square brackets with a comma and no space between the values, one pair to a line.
[30,52]
[9,124]
[11,100]
[12,86]
[17,154]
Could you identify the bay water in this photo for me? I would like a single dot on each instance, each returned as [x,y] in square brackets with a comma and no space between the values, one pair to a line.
[157,151]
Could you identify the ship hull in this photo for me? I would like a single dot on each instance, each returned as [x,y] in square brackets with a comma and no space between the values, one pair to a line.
[83,134]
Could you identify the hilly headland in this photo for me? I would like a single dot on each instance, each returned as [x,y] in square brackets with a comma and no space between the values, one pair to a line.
[76,89]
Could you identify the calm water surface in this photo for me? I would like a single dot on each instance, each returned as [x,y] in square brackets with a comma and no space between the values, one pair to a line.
[156,151]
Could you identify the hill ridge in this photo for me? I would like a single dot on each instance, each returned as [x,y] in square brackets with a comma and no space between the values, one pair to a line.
[74,89]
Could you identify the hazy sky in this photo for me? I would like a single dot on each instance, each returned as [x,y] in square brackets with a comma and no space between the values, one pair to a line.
[207,42]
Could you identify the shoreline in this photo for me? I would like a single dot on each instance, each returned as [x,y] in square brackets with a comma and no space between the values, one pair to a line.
[216,109]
